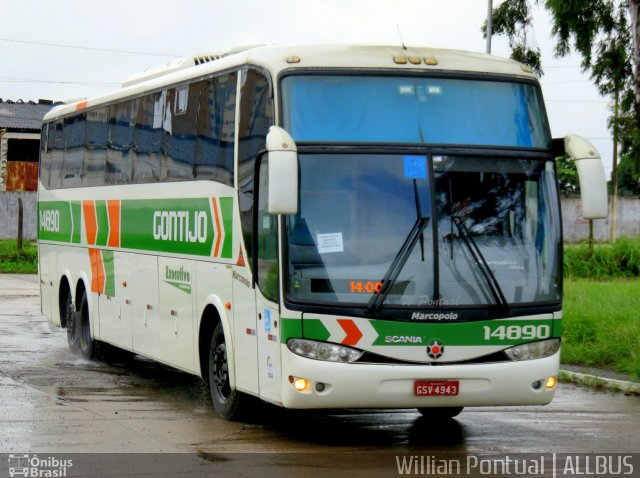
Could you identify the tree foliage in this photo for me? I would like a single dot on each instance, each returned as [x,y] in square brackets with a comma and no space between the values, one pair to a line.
[567,174]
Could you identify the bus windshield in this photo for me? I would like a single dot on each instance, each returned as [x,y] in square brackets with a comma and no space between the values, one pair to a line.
[408,109]
[357,211]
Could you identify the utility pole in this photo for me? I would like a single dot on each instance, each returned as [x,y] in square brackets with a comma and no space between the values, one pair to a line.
[614,172]
[489,25]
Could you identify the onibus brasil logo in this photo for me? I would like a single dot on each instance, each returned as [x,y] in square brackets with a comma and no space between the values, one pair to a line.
[34,466]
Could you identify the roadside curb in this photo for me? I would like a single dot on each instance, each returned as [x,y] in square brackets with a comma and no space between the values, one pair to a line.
[594,381]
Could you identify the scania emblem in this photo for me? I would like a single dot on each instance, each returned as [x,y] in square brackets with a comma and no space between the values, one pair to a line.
[435,349]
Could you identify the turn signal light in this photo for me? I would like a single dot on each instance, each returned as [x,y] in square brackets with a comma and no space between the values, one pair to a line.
[551,382]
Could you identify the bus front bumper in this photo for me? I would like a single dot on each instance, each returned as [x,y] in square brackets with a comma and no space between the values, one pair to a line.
[344,385]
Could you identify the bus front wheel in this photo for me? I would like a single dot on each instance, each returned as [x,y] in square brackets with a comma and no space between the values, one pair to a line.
[225,401]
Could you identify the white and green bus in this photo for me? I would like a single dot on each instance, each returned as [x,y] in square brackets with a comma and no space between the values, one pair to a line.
[317,226]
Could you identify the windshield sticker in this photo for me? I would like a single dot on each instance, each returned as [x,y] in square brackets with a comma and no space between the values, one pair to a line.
[415,167]
[328,243]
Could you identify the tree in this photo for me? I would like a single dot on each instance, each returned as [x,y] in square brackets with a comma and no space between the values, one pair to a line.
[567,176]
[628,177]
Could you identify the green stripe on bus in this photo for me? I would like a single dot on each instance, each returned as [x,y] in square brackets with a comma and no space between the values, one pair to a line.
[109,272]
[181,226]
[76,217]
[226,208]
[103,223]
[291,328]
[315,329]
[54,221]
[486,332]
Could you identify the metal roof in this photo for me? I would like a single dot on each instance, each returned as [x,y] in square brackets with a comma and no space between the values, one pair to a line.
[22,116]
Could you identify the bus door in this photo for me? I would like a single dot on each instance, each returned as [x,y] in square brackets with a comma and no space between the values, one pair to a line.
[269,350]
[245,338]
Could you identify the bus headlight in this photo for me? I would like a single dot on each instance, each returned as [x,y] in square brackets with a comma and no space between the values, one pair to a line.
[533,350]
[323,350]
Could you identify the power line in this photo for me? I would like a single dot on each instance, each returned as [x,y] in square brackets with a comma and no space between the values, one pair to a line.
[563,82]
[75,47]
[577,101]
[8,79]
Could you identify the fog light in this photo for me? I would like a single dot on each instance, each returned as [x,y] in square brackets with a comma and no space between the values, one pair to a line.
[301,384]
[319,387]
[551,382]
[537,384]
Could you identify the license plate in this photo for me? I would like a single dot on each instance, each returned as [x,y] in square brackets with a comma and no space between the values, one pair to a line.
[436,388]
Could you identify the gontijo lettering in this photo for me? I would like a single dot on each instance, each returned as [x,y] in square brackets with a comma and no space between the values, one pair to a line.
[183,226]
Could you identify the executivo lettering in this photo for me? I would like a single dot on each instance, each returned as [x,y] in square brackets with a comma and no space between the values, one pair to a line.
[178,278]
[181,226]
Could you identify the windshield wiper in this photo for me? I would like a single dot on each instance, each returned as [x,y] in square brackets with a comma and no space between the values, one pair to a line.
[478,257]
[390,277]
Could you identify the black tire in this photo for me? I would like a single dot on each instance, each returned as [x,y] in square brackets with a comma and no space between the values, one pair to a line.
[443,413]
[86,344]
[226,402]
[69,317]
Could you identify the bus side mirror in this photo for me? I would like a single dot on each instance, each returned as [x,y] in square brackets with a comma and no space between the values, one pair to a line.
[283,172]
[593,184]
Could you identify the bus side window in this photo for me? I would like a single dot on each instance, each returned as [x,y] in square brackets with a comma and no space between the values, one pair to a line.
[216,129]
[45,156]
[118,169]
[267,231]
[256,116]
[178,137]
[72,163]
[95,147]
[57,151]
[147,137]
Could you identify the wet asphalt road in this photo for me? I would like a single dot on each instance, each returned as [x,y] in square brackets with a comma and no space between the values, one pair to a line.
[54,402]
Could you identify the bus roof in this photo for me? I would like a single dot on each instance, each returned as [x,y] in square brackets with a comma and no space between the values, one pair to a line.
[288,57]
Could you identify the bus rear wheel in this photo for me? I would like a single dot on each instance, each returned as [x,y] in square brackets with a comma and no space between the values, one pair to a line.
[226,402]
[86,344]
[442,413]
[70,318]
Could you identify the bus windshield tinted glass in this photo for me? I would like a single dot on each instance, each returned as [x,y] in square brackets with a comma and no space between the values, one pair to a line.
[356,212]
[395,109]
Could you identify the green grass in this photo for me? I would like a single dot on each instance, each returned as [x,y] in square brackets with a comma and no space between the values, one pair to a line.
[12,261]
[601,324]
[605,261]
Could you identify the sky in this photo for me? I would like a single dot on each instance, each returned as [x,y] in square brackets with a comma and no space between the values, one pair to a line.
[148,33]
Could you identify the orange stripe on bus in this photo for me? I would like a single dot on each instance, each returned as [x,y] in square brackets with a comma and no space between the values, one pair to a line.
[82,105]
[218,229]
[113,208]
[97,271]
[90,221]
